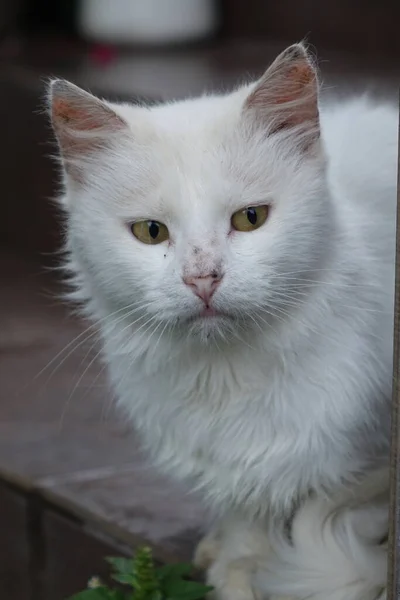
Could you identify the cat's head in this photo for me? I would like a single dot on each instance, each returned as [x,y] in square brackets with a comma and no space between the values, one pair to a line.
[203,215]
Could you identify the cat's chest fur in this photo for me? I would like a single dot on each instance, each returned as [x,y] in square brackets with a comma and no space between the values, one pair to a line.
[244,431]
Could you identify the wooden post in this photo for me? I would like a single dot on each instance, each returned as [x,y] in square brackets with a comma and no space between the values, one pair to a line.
[393,592]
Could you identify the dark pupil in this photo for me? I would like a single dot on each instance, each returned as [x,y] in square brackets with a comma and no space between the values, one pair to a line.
[252,215]
[154,229]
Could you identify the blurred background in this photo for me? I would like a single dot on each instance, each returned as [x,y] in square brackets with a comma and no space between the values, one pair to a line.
[73,484]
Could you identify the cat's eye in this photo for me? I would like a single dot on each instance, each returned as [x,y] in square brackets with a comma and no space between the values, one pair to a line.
[250,218]
[150,232]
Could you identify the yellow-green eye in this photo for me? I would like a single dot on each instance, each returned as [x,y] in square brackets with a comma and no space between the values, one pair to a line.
[250,218]
[150,232]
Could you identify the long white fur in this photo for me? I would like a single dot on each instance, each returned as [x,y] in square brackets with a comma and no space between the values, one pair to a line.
[290,396]
[335,552]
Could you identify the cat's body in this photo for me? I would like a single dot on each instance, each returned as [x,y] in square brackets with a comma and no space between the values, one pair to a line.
[271,417]
[286,393]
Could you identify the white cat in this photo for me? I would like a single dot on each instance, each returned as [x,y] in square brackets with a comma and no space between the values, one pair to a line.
[237,253]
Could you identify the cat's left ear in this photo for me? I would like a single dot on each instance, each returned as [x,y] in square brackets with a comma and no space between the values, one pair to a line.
[286,96]
[83,124]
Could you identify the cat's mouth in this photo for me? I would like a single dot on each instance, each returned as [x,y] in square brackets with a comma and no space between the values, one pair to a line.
[209,322]
[209,314]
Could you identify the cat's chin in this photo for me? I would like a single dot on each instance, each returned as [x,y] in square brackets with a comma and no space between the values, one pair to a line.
[210,313]
[211,323]
[209,316]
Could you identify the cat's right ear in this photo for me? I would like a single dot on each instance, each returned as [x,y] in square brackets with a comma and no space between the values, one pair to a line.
[83,125]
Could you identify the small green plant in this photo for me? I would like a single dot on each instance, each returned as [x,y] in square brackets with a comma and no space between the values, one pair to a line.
[145,581]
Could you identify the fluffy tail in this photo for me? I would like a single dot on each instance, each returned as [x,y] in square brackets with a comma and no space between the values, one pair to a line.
[336,552]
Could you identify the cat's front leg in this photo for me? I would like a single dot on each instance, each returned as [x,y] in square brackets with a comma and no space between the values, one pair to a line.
[233,580]
[230,555]
[207,550]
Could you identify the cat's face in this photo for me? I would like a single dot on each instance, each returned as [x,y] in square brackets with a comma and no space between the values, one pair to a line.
[201,216]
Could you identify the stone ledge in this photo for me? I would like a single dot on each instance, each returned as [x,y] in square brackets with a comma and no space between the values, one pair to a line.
[66,466]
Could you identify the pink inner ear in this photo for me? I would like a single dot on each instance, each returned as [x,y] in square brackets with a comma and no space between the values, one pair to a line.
[287,95]
[293,84]
[84,125]
[297,79]
[81,118]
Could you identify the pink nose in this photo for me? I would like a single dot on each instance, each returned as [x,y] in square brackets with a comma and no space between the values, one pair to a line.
[203,287]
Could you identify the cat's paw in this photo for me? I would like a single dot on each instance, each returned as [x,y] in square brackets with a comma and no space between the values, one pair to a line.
[233,581]
[207,552]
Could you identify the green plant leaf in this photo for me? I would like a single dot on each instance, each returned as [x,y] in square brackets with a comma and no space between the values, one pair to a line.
[126,579]
[146,581]
[118,595]
[99,593]
[174,571]
[122,566]
[185,590]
